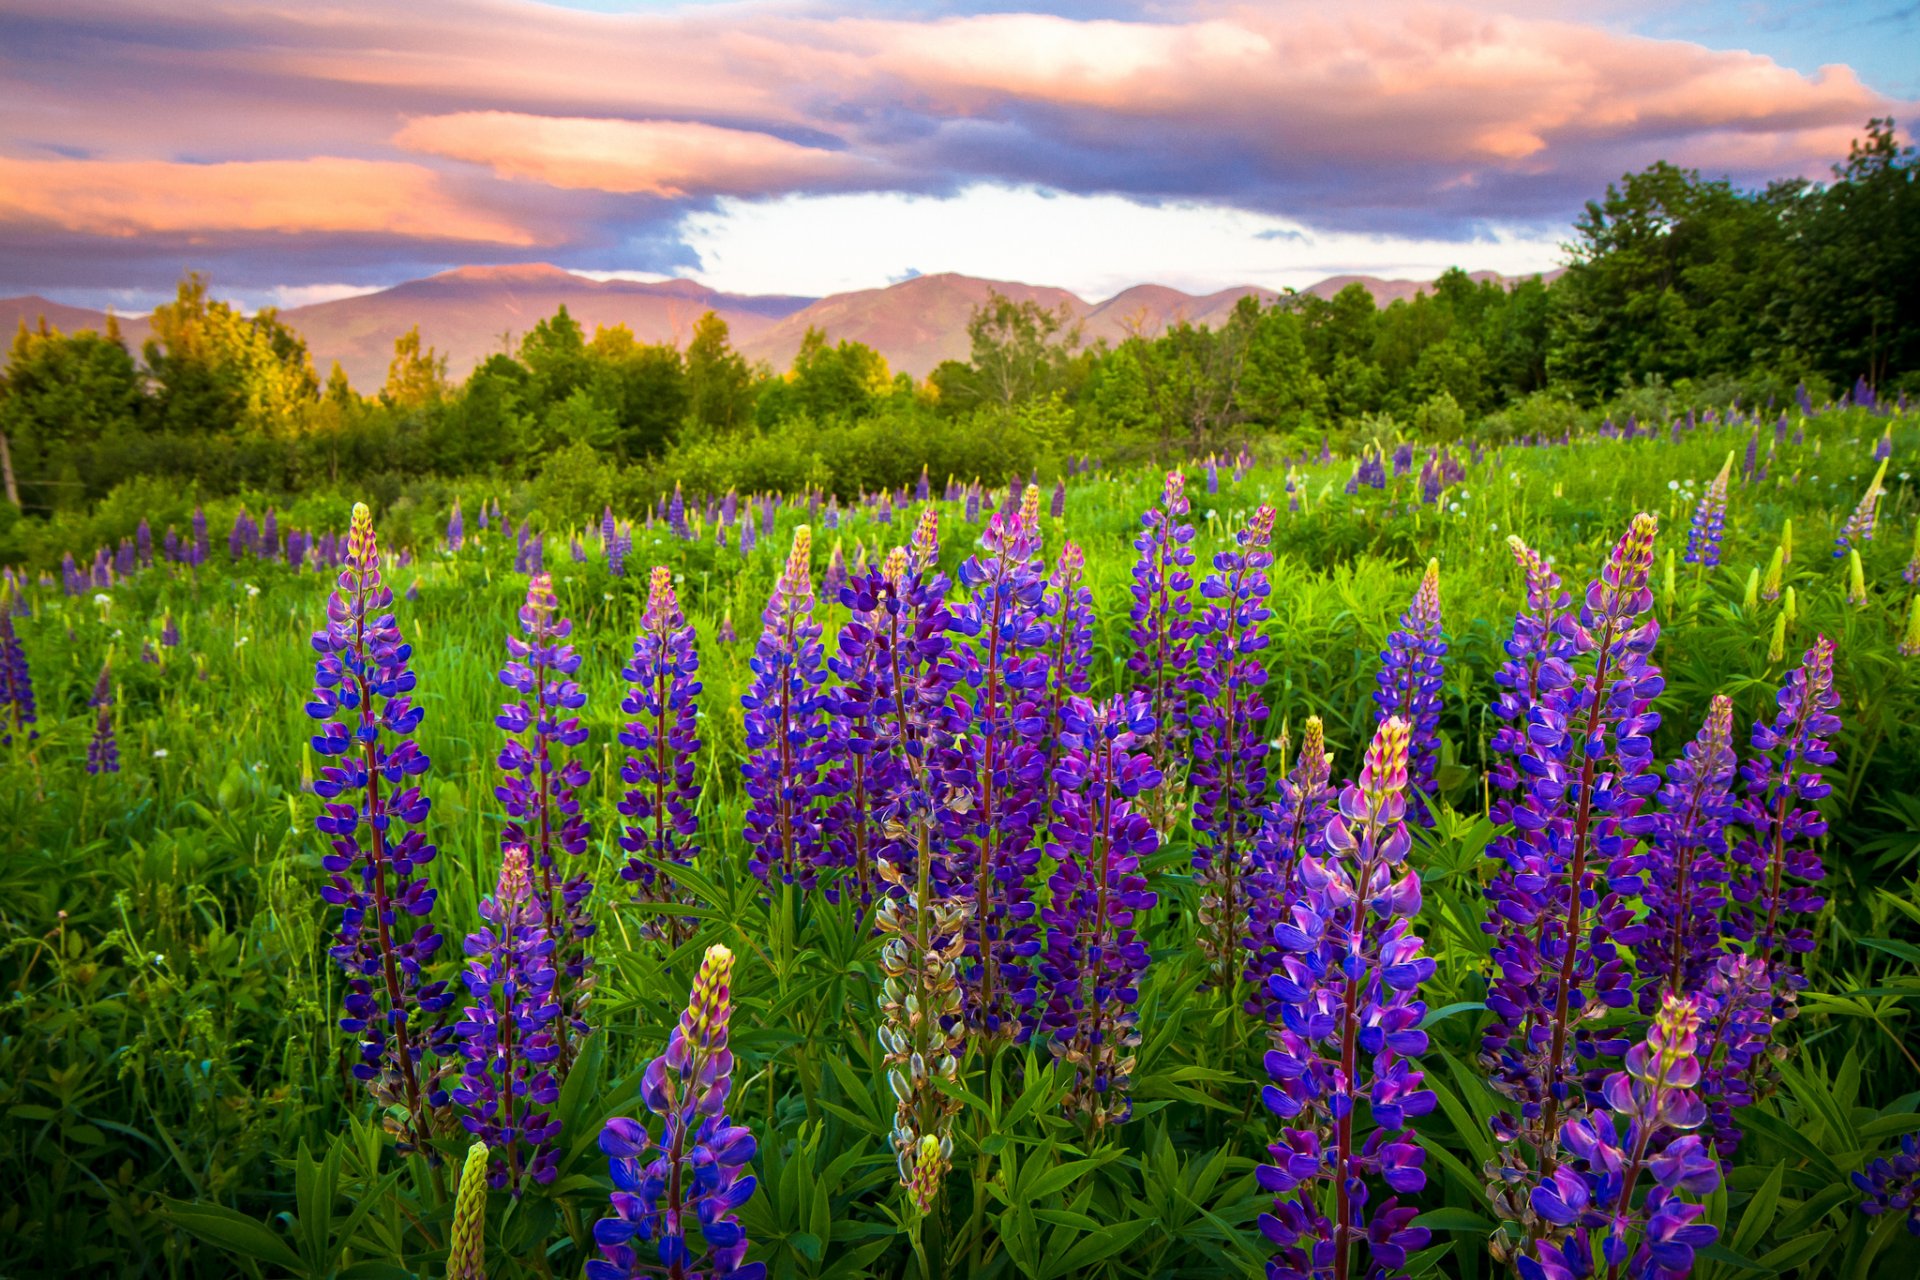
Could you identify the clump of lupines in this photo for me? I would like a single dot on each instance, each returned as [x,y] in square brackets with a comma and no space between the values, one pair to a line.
[507,1036]
[1778,859]
[1229,753]
[698,1175]
[540,790]
[373,810]
[1161,612]
[1587,768]
[1347,986]
[1295,823]
[663,739]
[1891,1184]
[1002,672]
[16,678]
[1094,956]
[1861,524]
[1596,1214]
[1410,679]
[1709,520]
[786,727]
[1067,607]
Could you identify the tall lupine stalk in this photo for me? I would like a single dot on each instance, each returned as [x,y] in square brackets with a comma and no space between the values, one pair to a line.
[663,741]
[1003,679]
[1410,679]
[1162,630]
[860,770]
[1865,519]
[1347,987]
[1710,520]
[1295,824]
[507,1035]
[1229,751]
[103,752]
[541,786]
[373,810]
[1586,771]
[785,727]
[698,1176]
[1067,607]
[1600,1224]
[1543,631]
[16,678]
[1095,957]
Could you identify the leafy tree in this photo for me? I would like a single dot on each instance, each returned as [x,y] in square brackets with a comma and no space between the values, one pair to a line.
[217,371]
[719,385]
[1019,350]
[60,398]
[645,386]
[415,378]
[1277,384]
[848,380]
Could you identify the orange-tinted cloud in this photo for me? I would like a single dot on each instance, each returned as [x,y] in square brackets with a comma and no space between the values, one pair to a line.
[324,195]
[669,158]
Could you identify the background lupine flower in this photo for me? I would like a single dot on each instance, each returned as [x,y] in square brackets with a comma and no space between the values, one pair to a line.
[1410,680]
[1891,1184]
[1865,518]
[1856,579]
[1162,607]
[467,1252]
[456,528]
[1003,676]
[1295,823]
[1229,751]
[507,1035]
[1095,957]
[1883,447]
[1586,771]
[1677,942]
[1778,860]
[16,678]
[1591,1201]
[1347,985]
[1911,574]
[1067,608]
[1057,508]
[724,633]
[103,752]
[363,694]
[663,740]
[540,790]
[1909,645]
[785,728]
[698,1177]
[1709,520]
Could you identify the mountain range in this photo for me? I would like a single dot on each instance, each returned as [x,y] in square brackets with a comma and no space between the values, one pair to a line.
[469,313]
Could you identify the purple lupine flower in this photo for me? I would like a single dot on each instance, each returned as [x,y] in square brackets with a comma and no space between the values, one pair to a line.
[609,531]
[143,543]
[1883,447]
[297,543]
[663,739]
[240,537]
[363,693]
[1295,823]
[71,581]
[1402,458]
[1229,749]
[1095,957]
[973,503]
[541,788]
[1590,1204]
[576,550]
[1861,524]
[200,542]
[699,1177]
[1677,942]
[921,487]
[1213,476]
[507,1038]
[1372,472]
[1778,861]
[1750,464]
[1058,507]
[16,679]
[724,633]
[617,551]
[1067,607]
[1891,1184]
[456,527]
[746,533]
[270,536]
[883,514]
[785,728]
[1586,768]
[1863,394]
[1002,684]
[1348,989]
[1162,630]
[1410,679]
[103,751]
[677,513]
[835,580]
[1709,520]
[1738,1003]
[858,776]
[125,562]
[170,545]
[483,513]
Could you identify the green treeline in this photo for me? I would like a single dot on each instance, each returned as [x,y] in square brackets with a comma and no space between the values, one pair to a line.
[1677,290]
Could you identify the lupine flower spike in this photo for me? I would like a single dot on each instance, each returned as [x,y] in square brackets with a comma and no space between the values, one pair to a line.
[1861,524]
[1891,1184]
[1910,639]
[785,728]
[467,1258]
[373,810]
[663,739]
[698,1177]
[16,679]
[1709,520]
[1067,607]
[1410,679]
[1161,615]
[542,785]
[1347,987]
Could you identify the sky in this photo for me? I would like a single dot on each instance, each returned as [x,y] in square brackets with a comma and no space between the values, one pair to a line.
[299,151]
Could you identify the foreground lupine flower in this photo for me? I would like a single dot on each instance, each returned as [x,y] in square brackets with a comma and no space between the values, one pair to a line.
[1095,957]
[507,1036]
[1594,1204]
[1162,605]
[1541,633]
[785,728]
[1229,751]
[1891,1184]
[663,739]
[1709,520]
[1410,678]
[363,695]
[698,1177]
[1295,823]
[857,775]
[1738,1003]
[1347,985]
[467,1253]
[541,789]
[1865,518]
[1587,768]
[16,679]
[1067,608]
[1002,681]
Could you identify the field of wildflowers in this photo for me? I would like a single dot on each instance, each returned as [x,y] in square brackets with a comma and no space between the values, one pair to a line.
[1439,862]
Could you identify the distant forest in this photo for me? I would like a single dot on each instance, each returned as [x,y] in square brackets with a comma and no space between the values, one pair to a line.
[1679,291]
